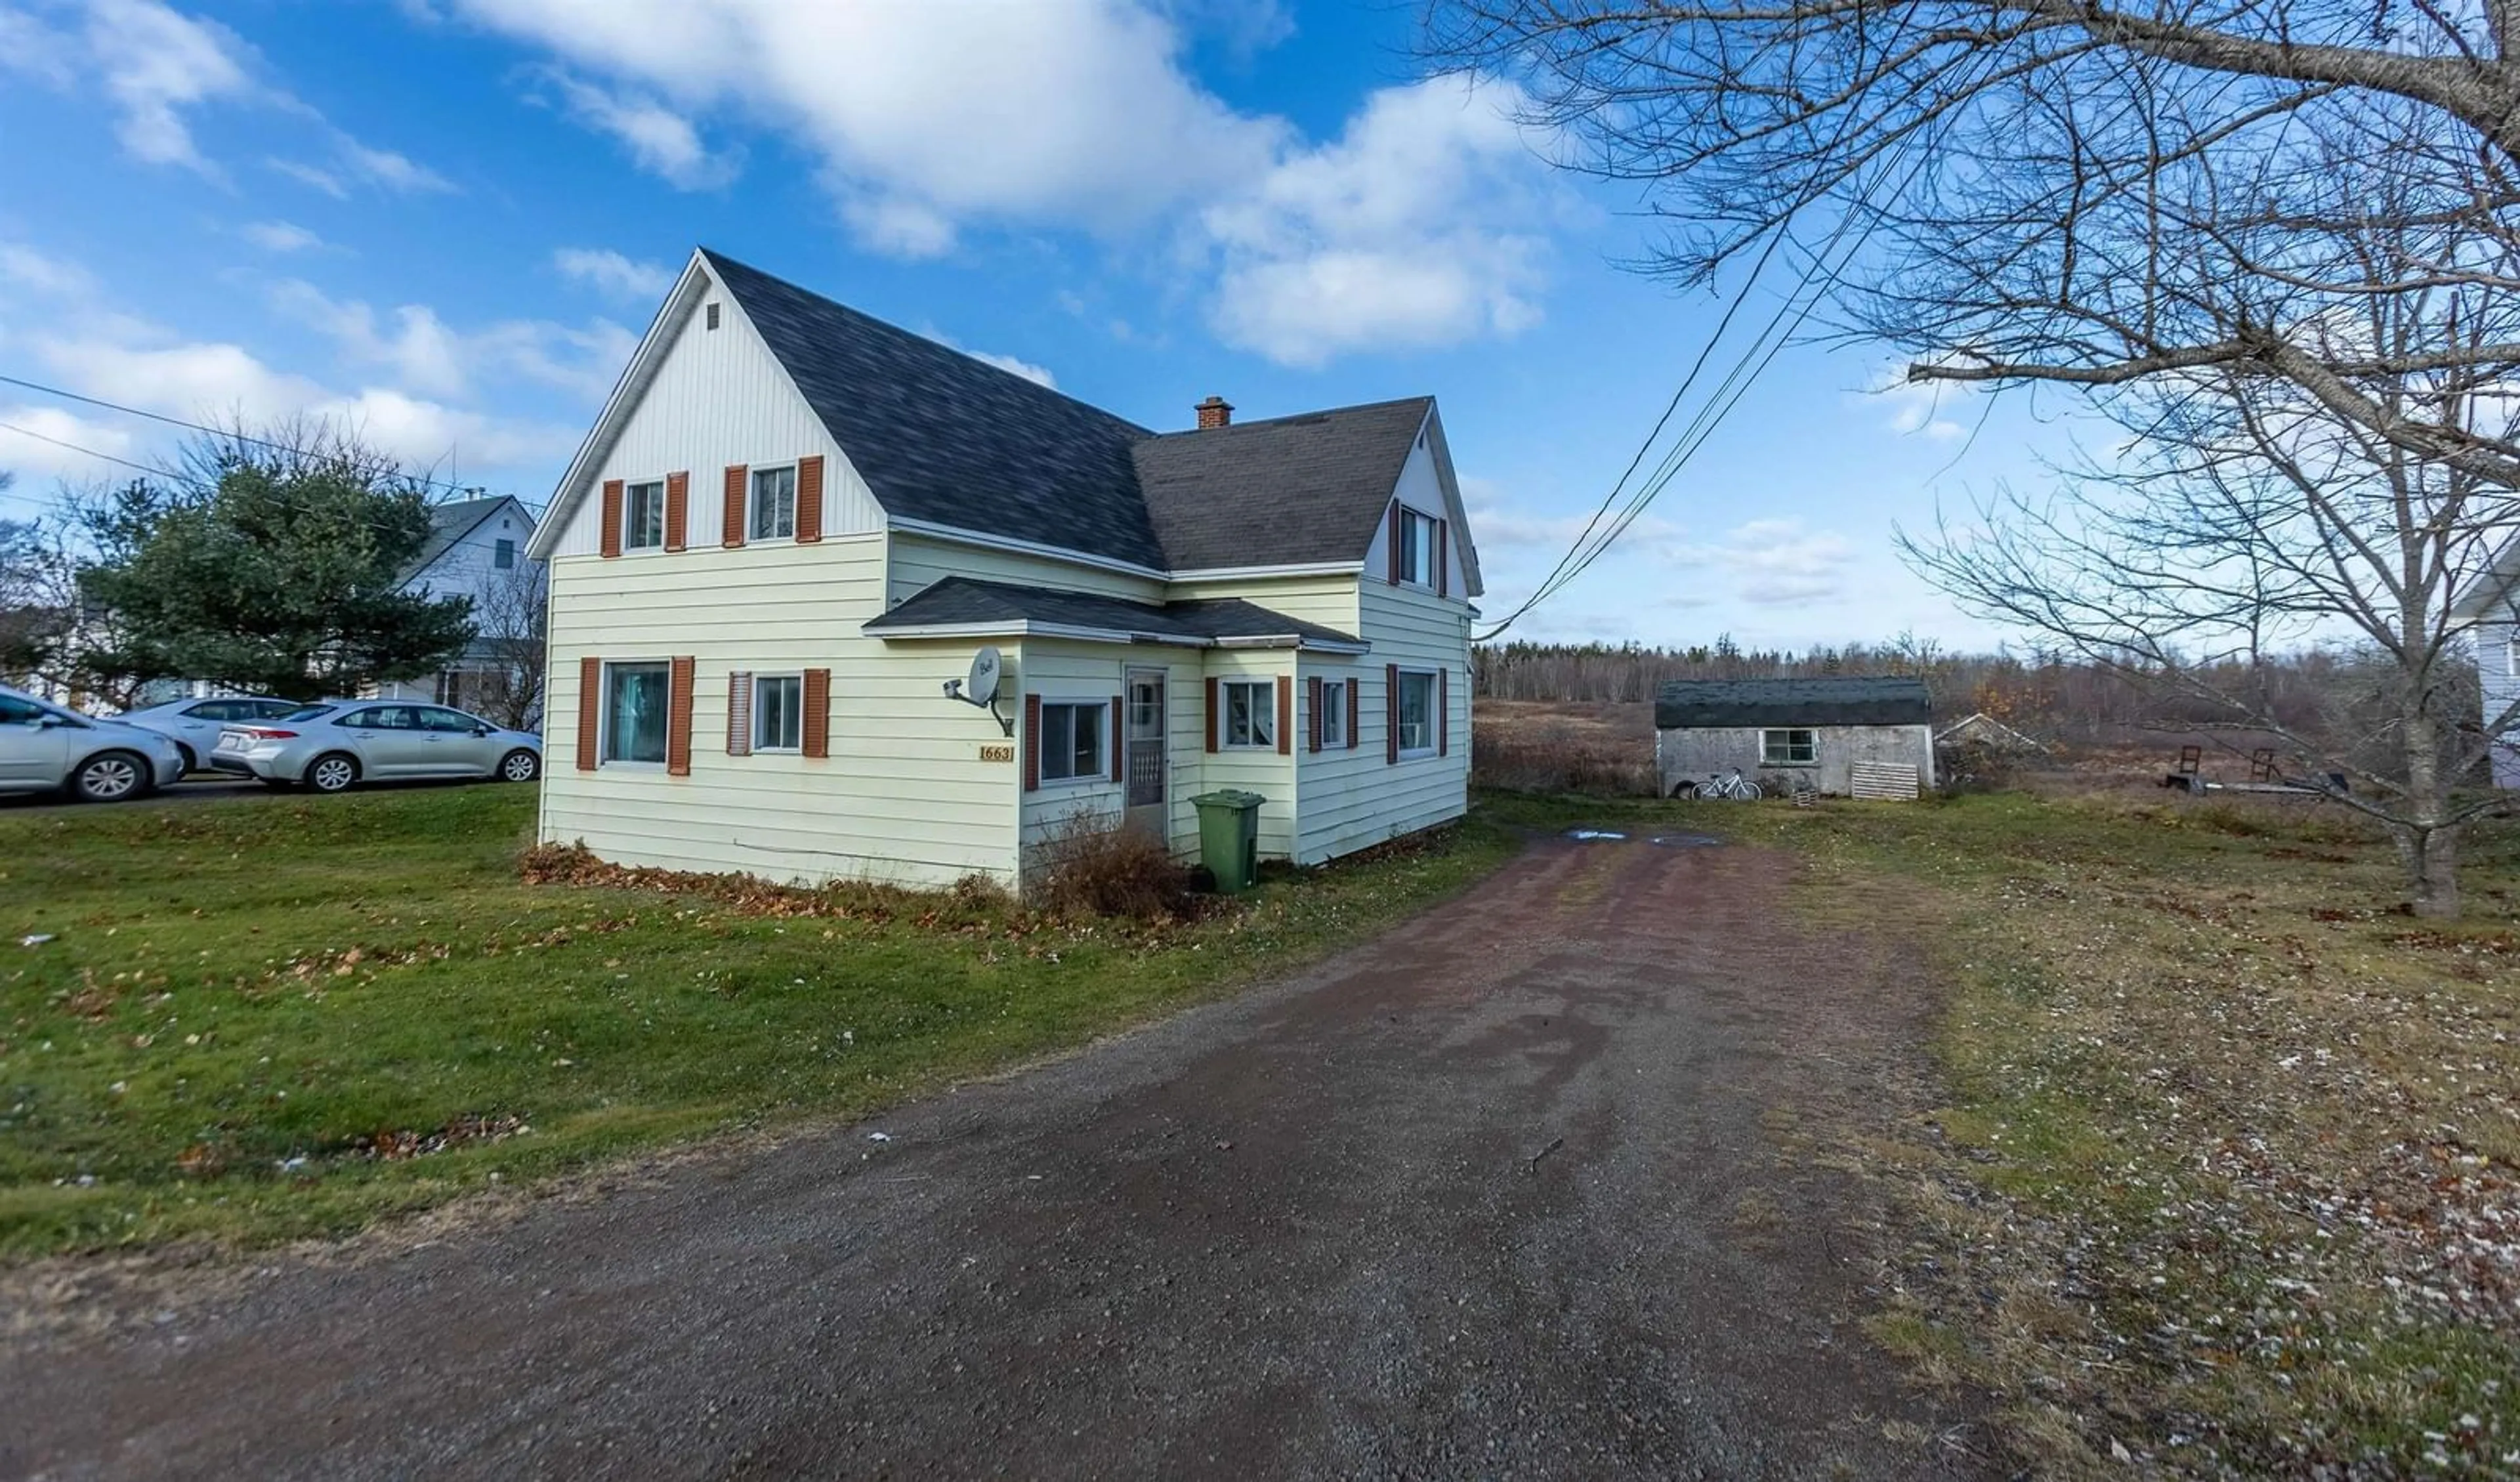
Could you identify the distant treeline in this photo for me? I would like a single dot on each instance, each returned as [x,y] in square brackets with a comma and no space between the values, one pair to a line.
[2043,694]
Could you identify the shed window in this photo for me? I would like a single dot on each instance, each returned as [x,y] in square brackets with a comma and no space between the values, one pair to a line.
[1251,713]
[643,517]
[635,700]
[1071,741]
[1416,714]
[1789,748]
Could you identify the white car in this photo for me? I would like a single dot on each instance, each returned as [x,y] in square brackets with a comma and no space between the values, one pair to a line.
[335,744]
[46,747]
[194,725]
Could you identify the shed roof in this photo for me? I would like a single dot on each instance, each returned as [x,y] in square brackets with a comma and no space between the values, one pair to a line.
[1684,704]
[963,605]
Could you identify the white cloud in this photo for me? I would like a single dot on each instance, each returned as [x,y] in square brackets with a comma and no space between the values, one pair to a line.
[662,141]
[610,272]
[1928,407]
[280,236]
[1012,365]
[428,356]
[42,445]
[352,163]
[156,64]
[1389,238]
[23,267]
[1772,561]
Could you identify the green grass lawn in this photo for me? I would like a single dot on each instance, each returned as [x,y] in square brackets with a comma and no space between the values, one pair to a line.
[264,1018]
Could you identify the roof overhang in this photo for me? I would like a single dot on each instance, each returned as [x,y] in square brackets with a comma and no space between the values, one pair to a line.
[1026,627]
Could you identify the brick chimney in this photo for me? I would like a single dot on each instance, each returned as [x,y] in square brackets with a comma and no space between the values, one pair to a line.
[1215,412]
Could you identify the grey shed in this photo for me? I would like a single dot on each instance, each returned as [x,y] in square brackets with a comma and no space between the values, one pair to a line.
[1855,737]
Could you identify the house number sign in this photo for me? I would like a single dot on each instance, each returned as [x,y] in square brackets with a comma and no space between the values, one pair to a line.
[996,753]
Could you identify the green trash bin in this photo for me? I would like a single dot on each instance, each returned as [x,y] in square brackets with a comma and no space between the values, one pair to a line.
[1229,836]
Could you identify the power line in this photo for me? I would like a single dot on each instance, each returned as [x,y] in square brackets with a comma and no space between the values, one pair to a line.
[195,427]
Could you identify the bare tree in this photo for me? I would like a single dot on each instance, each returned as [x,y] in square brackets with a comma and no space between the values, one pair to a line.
[508,608]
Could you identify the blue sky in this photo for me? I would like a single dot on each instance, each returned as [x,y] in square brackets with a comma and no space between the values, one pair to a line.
[446,221]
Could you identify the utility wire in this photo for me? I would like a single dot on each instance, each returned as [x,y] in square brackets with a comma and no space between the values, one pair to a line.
[195,427]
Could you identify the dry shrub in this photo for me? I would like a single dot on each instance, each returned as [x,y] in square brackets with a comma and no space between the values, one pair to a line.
[972,902]
[1551,759]
[1087,866]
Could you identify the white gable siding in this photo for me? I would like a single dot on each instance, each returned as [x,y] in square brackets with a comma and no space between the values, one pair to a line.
[719,397]
[469,567]
[1422,490]
[2497,672]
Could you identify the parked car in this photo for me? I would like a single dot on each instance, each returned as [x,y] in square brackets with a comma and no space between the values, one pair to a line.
[46,747]
[336,744]
[194,725]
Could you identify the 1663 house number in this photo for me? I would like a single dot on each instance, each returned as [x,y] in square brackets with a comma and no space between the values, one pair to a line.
[997,753]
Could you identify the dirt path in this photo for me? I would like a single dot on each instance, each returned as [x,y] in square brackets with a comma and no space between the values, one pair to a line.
[1497,1194]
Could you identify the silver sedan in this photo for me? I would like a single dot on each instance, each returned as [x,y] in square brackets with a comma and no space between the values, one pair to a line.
[194,725]
[46,747]
[336,744]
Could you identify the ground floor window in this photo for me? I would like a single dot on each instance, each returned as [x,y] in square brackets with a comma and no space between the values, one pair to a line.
[1251,713]
[1789,749]
[636,697]
[1335,717]
[779,712]
[1071,741]
[1417,712]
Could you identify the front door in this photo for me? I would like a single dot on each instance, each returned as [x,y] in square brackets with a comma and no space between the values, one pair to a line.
[1145,758]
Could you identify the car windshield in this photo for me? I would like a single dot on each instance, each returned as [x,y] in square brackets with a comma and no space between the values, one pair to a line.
[309,712]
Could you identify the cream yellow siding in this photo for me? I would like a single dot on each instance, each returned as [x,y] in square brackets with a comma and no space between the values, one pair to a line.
[1262,769]
[1328,601]
[904,794]
[920,562]
[1353,799]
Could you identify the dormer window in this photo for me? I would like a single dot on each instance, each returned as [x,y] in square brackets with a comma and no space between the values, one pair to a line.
[1416,548]
[642,523]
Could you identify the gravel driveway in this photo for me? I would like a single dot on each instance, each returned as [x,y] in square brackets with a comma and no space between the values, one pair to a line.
[1503,1193]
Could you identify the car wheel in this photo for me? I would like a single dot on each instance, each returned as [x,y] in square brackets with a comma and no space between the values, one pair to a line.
[109,777]
[520,766]
[332,771]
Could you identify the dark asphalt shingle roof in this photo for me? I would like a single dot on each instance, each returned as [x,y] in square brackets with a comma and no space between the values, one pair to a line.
[959,599]
[1288,491]
[1693,704]
[450,522]
[942,437]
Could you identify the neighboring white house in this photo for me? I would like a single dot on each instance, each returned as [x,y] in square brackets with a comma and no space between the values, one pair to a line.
[477,548]
[2491,604]
[792,525]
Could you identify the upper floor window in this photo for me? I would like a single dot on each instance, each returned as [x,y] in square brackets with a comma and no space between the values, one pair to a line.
[503,555]
[643,517]
[1416,548]
[1334,719]
[773,505]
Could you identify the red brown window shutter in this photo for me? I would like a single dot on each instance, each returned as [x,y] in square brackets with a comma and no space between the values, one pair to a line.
[1286,715]
[590,710]
[678,716]
[809,500]
[736,476]
[1390,715]
[1119,709]
[1443,712]
[1355,721]
[1032,743]
[613,517]
[1313,713]
[678,510]
[739,713]
[814,734]
[1441,527]
[1392,539]
[1214,705]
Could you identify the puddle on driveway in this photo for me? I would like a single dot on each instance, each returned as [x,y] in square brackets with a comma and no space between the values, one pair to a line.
[1659,841]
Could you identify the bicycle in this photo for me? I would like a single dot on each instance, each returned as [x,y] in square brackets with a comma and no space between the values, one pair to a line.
[1722,786]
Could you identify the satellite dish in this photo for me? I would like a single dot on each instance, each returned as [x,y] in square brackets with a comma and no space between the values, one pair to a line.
[986,667]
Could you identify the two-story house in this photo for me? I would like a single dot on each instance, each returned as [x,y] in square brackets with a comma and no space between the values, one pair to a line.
[477,548]
[794,524]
